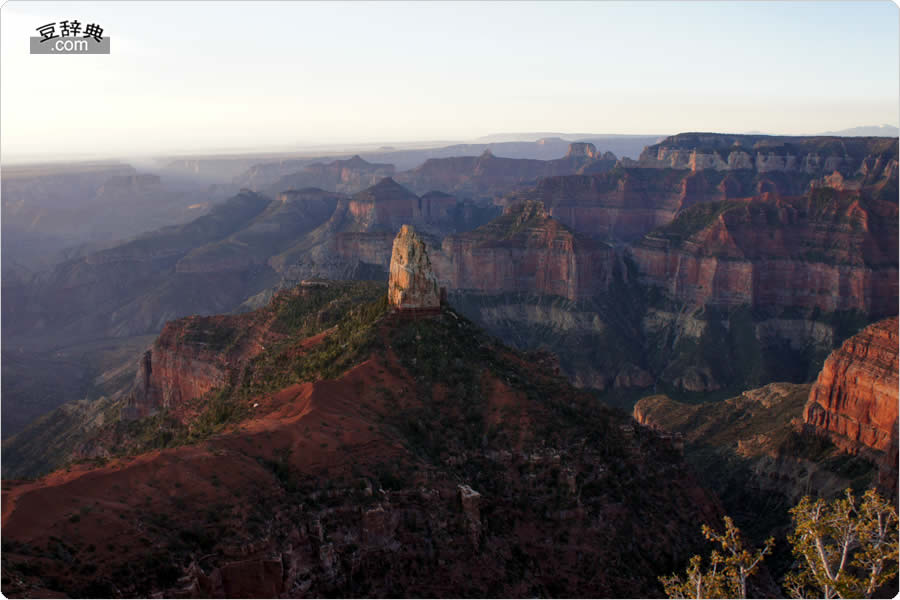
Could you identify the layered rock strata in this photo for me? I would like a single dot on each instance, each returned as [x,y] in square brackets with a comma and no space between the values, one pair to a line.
[819,155]
[855,398]
[412,283]
[492,176]
[828,250]
[525,250]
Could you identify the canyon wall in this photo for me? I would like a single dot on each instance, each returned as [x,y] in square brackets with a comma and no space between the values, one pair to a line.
[195,355]
[173,372]
[490,176]
[855,400]
[819,155]
[828,250]
[345,176]
[625,203]
[525,251]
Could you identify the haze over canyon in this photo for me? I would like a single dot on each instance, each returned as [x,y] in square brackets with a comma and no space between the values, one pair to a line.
[347,300]
[530,302]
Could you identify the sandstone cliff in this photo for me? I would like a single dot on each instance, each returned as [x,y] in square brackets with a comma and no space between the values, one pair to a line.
[490,176]
[358,235]
[195,355]
[626,203]
[855,398]
[811,155]
[618,204]
[806,259]
[348,176]
[752,451]
[793,440]
[525,250]
[827,250]
[412,283]
[387,204]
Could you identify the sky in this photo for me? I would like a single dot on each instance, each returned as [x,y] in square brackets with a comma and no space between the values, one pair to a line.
[185,77]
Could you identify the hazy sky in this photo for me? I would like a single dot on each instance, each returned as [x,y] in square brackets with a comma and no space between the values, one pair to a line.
[224,76]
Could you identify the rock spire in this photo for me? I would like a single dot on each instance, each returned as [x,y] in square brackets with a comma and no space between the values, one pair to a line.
[412,284]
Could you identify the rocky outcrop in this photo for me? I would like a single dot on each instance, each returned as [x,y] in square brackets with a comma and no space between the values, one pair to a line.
[387,205]
[412,283]
[437,207]
[624,204]
[195,355]
[827,250]
[634,198]
[855,398]
[750,449]
[347,176]
[525,250]
[184,363]
[584,149]
[809,155]
[771,435]
[356,239]
[490,176]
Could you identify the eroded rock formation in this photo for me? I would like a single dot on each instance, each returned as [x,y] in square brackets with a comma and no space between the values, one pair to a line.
[525,250]
[492,176]
[827,250]
[751,451]
[190,357]
[854,400]
[412,284]
[818,155]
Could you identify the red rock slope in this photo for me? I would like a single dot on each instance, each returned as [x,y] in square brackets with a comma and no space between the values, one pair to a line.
[441,465]
[386,456]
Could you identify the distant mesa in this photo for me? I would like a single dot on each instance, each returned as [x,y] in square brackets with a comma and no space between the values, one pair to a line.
[412,285]
[354,162]
[810,155]
[346,176]
[388,184]
[585,149]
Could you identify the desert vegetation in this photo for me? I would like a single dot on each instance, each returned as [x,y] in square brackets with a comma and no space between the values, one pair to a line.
[844,548]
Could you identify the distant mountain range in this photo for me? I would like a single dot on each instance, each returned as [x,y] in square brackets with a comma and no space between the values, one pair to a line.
[535,136]
[863,130]
[867,130]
